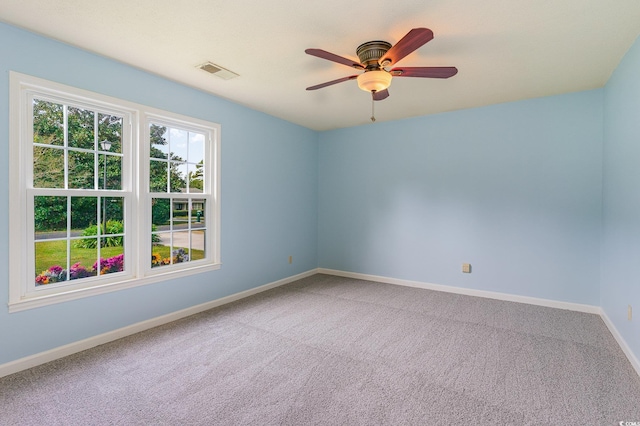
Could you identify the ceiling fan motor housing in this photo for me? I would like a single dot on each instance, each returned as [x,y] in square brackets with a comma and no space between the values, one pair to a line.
[371,51]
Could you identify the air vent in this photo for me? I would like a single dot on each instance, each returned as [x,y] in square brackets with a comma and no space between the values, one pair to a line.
[218,71]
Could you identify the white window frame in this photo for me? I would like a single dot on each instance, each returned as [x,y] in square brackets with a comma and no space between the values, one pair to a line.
[135,147]
[210,192]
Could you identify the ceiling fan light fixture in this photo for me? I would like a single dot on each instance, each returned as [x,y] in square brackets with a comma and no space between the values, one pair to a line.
[375,80]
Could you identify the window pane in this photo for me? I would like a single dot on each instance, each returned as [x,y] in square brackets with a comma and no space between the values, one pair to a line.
[159,142]
[197,245]
[48,126]
[48,167]
[161,249]
[112,260]
[84,254]
[112,214]
[110,130]
[51,262]
[196,148]
[178,144]
[177,177]
[113,211]
[160,213]
[198,213]
[50,217]
[112,174]
[195,178]
[157,176]
[180,252]
[81,128]
[81,170]
[180,213]
[84,216]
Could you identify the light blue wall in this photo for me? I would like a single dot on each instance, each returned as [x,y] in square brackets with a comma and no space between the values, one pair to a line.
[514,189]
[269,198]
[621,213]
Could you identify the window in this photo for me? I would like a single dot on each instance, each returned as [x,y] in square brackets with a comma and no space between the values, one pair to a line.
[76,197]
[92,208]
[179,192]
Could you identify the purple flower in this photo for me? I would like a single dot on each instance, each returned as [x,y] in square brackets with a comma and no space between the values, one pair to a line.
[180,256]
[79,271]
[112,264]
[55,269]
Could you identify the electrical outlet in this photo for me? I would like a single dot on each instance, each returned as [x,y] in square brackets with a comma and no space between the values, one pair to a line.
[466,268]
[290,259]
[629,313]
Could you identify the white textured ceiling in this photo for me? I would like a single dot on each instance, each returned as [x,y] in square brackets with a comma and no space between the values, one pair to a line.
[504,50]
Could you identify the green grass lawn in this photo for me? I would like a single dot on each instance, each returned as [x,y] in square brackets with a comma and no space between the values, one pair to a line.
[50,253]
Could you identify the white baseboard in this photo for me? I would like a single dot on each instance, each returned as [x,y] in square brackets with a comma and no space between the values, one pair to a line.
[621,342]
[71,348]
[62,351]
[500,296]
[468,291]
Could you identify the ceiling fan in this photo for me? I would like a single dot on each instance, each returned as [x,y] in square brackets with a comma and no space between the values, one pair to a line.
[376,56]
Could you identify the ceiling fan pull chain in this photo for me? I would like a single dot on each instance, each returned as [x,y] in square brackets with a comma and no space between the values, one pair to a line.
[373,114]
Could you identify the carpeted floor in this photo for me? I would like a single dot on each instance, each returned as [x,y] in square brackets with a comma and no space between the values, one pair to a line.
[337,351]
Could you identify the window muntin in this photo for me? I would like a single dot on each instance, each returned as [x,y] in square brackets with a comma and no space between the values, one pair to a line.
[74,159]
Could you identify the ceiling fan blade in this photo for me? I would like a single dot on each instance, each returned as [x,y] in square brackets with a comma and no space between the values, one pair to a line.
[333,57]
[407,44]
[382,94]
[330,83]
[427,72]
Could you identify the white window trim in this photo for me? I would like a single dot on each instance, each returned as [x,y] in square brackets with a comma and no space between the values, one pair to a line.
[139,217]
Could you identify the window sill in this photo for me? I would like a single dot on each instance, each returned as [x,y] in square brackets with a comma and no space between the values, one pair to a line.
[37,301]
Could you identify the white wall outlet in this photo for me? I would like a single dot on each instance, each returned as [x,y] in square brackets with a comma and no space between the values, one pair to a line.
[466,268]
[629,313]
[290,259]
